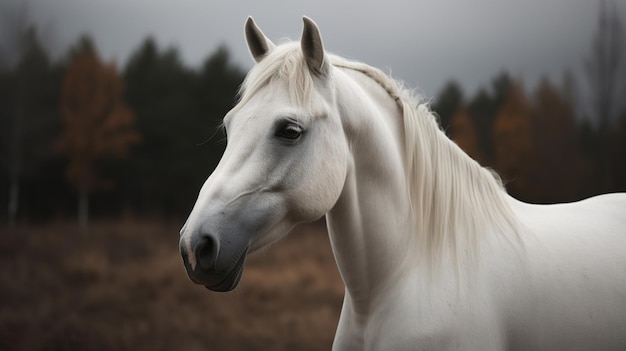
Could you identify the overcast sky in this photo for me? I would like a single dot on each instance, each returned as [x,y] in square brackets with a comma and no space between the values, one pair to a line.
[424,43]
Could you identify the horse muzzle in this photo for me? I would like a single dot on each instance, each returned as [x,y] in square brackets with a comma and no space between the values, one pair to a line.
[216,264]
[219,234]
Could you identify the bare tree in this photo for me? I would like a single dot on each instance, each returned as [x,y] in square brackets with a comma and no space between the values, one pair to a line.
[28,89]
[15,29]
[603,73]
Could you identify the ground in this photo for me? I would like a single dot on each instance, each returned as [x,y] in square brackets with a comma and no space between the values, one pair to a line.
[122,286]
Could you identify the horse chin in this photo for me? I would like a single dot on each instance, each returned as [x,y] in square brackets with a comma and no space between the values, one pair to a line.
[232,279]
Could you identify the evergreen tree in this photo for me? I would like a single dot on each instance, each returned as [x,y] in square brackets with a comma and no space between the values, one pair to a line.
[483,109]
[178,113]
[28,112]
[557,168]
[447,103]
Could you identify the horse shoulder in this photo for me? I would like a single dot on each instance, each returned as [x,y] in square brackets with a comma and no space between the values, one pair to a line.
[420,313]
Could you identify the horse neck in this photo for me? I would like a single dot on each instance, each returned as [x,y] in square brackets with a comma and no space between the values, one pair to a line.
[409,200]
[370,226]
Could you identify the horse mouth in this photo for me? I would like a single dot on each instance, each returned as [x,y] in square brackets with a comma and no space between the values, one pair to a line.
[231,280]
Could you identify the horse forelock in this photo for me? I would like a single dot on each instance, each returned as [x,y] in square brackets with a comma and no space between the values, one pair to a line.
[284,63]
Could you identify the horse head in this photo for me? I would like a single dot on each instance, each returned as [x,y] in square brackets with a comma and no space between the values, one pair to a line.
[285,161]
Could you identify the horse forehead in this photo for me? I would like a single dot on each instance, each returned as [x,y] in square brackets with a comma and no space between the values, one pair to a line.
[264,110]
[256,114]
[266,99]
[275,100]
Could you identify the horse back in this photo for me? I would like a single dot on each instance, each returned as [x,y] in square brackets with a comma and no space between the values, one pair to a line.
[570,290]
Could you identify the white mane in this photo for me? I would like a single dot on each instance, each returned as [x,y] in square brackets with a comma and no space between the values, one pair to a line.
[454,199]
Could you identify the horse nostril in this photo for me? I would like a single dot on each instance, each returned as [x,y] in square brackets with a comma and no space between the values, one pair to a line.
[206,252]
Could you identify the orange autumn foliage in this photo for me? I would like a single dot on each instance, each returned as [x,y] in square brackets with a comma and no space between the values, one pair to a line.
[463,133]
[513,141]
[96,122]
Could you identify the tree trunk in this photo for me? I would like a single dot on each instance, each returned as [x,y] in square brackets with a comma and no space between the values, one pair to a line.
[15,163]
[83,208]
[14,196]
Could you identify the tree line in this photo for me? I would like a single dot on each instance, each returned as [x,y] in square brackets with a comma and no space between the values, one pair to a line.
[139,140]
[536,142]
[81,134]
[545,144]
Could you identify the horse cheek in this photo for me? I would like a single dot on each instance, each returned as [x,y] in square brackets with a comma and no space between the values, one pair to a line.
[320,188]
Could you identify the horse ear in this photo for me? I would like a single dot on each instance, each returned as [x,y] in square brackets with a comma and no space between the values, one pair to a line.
[312,47]
[258,44]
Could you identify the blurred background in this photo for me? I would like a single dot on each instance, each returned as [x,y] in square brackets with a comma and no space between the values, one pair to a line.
[109,115]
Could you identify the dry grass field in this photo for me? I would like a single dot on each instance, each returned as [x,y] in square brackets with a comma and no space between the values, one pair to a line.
[122,286]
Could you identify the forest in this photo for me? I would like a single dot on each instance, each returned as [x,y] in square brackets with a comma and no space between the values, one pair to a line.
[82,137]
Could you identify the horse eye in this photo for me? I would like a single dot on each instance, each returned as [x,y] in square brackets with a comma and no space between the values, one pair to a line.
[289,131]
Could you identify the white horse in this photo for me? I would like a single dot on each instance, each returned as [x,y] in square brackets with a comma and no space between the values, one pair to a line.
[433,252]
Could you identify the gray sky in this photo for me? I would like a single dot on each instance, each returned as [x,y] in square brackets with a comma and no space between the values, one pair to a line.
[424,43]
